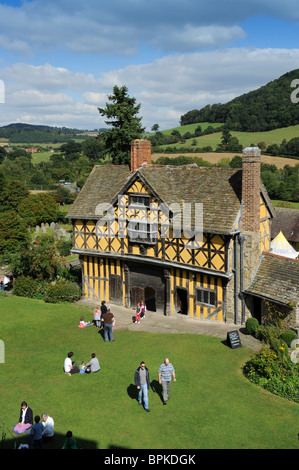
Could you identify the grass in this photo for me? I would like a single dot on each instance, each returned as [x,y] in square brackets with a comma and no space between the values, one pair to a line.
[212,406]
[290,205]
[275,136]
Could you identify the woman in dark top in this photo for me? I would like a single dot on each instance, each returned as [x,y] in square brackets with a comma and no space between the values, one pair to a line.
[25,420]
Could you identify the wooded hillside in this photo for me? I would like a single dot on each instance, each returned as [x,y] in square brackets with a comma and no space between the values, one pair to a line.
[269,107]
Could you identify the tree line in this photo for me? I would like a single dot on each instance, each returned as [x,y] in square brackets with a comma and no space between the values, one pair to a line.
[269,107]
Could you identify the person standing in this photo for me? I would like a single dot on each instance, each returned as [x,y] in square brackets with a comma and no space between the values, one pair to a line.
[138,312]
[166,370]
[143,310]
[103,311]
[108,319]
[97,317]
[142,382]
[36,433]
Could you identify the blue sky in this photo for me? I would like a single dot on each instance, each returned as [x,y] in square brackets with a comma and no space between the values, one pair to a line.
[59,59]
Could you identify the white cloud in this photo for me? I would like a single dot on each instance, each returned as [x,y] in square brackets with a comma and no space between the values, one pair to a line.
[118,27]
[192,38]
[47,77]
[190,81]
[167,88]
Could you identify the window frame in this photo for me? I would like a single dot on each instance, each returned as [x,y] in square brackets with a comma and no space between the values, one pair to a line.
[203,292]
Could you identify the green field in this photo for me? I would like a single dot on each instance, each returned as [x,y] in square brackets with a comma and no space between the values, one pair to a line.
[275,136]
[212,406]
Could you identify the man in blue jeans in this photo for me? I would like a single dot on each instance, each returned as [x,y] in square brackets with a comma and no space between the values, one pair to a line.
[108,319]
[142,382]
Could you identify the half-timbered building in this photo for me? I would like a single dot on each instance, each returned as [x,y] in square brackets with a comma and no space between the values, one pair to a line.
[185,239]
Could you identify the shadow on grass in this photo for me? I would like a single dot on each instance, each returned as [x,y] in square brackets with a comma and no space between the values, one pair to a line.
[155,386]
[55,443]
[132,392]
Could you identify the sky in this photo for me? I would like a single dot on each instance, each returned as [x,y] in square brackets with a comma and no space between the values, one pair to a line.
[60,59]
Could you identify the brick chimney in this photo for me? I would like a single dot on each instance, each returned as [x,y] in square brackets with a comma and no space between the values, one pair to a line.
[140,153]
[251,181]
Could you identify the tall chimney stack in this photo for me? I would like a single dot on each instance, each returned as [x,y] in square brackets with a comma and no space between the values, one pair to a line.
[140,153]
[251,181]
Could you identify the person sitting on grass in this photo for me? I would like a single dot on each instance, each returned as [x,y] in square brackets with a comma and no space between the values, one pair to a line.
[70,441]
[25,420]
[93,365]
[48,426]
[70,367]
[84,323]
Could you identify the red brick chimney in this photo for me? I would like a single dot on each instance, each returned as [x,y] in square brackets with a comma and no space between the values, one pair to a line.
[140,153]
[251,182]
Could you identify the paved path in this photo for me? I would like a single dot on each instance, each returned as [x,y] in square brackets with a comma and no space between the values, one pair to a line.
[175,324]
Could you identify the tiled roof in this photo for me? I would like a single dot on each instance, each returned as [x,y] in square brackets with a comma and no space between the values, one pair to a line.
[287,221]
[102,185]
[218,189]
[276,278]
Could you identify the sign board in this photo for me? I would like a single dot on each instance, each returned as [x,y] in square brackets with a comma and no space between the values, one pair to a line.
[233,339]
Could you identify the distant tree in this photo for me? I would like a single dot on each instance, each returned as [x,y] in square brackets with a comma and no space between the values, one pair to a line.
[38,208]
[225,138]
[12,194]
[236,162]
[3,154]
[93,148]
[292,147]
[233,145]
[155,127]
[198,131]
[63,196]
[121,114]
[262,145]
[71,147]
[16,153]
[13,233]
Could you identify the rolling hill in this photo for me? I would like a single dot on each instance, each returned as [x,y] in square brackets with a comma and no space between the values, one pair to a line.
[31,133]
[269,107]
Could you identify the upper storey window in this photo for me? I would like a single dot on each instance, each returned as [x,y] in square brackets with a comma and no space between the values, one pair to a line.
[140,229]
[140,201]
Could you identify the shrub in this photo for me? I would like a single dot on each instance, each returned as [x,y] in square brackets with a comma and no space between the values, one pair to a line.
[251,326]
[280,347]
[288,336]
[26,286]
[62,291]
[64,247]
[274,372]
[267,332]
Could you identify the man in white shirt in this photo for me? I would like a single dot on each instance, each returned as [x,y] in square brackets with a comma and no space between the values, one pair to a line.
[48,424]
[69,367]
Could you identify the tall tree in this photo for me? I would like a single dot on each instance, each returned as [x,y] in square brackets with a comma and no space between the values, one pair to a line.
[121,114]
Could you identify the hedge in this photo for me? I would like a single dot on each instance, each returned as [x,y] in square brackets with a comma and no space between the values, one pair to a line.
[62,290]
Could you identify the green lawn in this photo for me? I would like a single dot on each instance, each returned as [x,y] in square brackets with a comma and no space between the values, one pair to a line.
[212,406]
